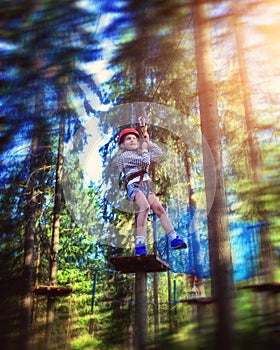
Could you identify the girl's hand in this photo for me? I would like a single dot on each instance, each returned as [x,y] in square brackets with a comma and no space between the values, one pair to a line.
[146,137]
[145,145]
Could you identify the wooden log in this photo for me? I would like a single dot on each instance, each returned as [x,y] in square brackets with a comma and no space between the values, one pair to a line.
[53,291]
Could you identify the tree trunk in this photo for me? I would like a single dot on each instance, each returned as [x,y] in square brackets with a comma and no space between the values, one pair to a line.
[30,219]
[155,282]
[56,225]
[219,244]
[141,334]
[190,179]
[192,228]
[266,255]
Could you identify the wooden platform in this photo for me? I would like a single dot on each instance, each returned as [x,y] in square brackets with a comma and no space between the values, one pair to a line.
[53,291]
[196,300]
[273,287]
[143,263]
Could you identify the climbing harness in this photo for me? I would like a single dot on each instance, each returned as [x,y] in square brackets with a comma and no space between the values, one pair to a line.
[140,173]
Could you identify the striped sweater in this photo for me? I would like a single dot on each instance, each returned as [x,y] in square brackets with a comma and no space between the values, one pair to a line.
[130,162]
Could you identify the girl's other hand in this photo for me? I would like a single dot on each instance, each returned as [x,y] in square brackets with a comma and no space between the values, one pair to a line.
[144,145]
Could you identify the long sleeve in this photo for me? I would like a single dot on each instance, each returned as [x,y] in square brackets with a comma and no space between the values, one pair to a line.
[155,151]
[130,162]
[120,163]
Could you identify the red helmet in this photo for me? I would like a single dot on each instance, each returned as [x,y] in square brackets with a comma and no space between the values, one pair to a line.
[126,132]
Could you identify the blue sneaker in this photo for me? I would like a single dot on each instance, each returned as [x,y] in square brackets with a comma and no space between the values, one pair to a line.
[178,243]
[140,249]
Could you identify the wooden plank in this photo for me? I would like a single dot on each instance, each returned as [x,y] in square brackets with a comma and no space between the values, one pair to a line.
[196,300]
[143,263]
[273,287]
[52,290]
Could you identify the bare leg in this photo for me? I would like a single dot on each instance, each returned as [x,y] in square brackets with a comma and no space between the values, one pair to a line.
[160,213]
[176,242]
[142,214]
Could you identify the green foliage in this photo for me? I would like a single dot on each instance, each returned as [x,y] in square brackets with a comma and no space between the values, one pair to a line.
[84,342]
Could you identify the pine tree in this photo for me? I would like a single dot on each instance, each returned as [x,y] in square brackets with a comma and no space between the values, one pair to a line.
[43,37]
[219,245]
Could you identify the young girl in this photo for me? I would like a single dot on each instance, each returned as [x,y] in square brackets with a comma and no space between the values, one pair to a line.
[134,163]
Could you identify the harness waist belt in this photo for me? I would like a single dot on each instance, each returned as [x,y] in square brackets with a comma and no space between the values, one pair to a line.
[134,175]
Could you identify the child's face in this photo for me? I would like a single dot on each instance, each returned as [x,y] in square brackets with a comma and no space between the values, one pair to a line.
[130,142]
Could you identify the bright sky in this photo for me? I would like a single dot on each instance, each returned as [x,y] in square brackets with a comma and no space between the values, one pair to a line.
[266,16]
[90,159]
